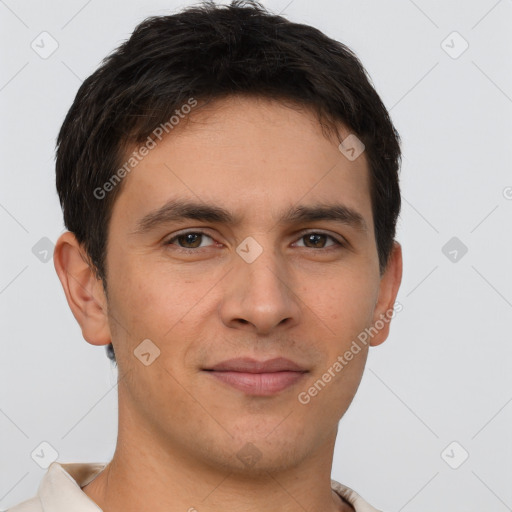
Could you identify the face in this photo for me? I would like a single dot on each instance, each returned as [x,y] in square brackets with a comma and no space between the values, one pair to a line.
[257,269]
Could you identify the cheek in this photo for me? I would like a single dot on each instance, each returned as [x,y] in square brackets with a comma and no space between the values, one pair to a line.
[152,300]
[345,304]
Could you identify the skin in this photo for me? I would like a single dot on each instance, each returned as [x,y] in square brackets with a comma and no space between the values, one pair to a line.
[179,428]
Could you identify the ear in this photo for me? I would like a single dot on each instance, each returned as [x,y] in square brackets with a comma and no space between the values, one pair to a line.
[84,291]
[388,290]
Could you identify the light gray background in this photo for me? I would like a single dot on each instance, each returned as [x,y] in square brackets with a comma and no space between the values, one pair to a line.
[444,374]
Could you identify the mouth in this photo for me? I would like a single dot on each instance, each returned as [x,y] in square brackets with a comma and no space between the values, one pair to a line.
[258,378]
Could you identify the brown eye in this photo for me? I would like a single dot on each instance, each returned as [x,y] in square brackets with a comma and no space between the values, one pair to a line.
[318,240]
[190,240]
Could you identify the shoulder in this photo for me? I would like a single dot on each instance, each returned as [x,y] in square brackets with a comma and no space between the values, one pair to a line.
[31,505]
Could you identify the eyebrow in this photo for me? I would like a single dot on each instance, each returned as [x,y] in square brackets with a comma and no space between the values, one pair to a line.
[179,209]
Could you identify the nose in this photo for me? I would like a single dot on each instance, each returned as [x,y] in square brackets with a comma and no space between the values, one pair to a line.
[259,297]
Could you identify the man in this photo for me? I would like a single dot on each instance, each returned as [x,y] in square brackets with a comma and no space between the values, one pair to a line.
[229,182]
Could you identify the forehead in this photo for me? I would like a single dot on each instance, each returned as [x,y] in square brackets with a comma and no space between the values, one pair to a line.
[252,156]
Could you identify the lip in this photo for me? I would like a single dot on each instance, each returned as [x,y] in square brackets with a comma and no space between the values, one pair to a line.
[248,365]
[258,378]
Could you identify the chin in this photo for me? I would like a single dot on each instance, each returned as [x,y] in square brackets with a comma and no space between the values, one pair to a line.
[279,449]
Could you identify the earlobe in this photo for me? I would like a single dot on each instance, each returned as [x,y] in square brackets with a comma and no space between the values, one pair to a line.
[84,291]
[388,290]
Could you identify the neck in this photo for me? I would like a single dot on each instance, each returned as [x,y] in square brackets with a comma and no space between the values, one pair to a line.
[151,473]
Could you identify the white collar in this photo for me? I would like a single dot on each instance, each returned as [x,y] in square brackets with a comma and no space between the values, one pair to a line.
[60,489]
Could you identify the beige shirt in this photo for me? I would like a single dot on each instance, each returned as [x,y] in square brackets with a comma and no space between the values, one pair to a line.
[60,490]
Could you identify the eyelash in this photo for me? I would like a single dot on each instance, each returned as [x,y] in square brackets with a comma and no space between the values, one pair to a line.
[338,244]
